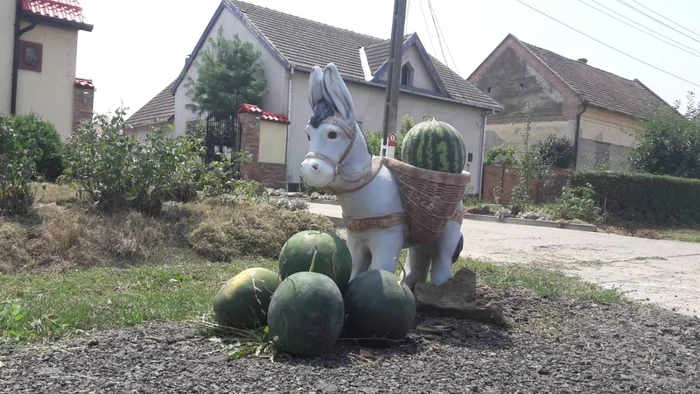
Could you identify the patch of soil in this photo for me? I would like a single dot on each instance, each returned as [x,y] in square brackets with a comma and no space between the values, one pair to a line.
[551,346]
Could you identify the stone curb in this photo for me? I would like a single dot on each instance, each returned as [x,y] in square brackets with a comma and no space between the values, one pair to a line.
[533,222]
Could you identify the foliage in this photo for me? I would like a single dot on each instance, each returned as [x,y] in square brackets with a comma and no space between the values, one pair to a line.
[499,154]
[643,198]
[556,151]
[222,177]
[375,139]
[577,203]
[115,171]
[230,74]
[532,168]
[18,157]
[670,142]
[30,128]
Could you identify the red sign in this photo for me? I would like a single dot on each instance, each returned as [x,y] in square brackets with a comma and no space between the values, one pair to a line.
[392,139]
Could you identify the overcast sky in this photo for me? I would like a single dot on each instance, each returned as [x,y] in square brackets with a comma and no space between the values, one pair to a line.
[138,47]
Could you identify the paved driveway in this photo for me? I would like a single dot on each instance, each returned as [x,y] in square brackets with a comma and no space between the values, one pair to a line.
[659,271]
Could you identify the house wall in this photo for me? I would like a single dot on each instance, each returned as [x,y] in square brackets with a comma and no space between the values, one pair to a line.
[422,78]
[269,174]
[7,26]
[606,138]
[368,102]
[275,73]
[273,142]
[510,134]
[49,93]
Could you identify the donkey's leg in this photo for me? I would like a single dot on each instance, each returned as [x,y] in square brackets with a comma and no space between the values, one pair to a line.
[359,252]
[417,265]
[385,246]
[445,252]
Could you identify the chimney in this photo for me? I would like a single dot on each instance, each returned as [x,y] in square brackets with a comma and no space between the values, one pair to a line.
[582,60]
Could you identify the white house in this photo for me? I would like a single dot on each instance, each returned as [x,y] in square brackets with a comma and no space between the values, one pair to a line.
[38,50]
[292,45]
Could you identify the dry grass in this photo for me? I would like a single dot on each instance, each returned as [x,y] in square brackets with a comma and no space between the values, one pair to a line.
[59,237]
[54,193]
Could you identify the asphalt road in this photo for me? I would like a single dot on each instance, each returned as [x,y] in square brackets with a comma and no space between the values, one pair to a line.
[659,271]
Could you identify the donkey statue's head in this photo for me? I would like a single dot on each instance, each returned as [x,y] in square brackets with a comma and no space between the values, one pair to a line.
[336,159]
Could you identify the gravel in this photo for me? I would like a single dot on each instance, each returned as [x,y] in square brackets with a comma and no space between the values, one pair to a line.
[551,346]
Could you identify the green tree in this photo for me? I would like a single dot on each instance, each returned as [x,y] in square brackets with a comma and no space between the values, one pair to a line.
[230,74]
[669,144]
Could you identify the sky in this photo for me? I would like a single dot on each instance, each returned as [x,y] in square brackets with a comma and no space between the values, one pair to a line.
[138,47]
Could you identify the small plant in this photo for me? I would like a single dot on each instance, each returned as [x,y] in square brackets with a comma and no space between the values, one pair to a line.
[31,129]
[499,154]
[18,157]
[12,318]
[577,203]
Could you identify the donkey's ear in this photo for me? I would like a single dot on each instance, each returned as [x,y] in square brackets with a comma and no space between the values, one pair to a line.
[315,86]
[335,91]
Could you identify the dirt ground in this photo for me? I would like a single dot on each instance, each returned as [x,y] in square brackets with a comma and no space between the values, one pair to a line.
[663,272]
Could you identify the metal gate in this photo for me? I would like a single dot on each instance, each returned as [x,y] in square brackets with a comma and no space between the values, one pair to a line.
[223,134]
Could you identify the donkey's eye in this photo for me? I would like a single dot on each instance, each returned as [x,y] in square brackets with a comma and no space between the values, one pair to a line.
[332,135]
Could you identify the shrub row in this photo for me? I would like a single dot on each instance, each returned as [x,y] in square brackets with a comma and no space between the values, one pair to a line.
[642,197]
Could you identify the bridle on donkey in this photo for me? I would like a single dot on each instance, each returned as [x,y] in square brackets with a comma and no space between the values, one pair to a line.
[344,182]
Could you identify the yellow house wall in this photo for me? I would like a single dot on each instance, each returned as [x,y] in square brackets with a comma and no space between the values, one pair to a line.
[273,142]
[7,26]
[606,139]
[49,93]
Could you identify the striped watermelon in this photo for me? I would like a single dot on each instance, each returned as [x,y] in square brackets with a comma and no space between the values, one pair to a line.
[434,145]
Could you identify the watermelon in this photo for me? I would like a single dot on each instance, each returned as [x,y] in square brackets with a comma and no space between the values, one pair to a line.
[332,256]
[243,301]
[434,145]
[306,314]
[378,306]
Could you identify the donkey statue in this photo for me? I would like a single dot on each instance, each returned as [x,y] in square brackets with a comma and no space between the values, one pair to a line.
[340,162]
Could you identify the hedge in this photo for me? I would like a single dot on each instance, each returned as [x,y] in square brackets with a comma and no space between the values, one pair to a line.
[642,197]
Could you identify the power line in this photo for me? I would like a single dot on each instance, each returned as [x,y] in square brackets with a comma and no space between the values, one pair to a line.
[427,29]
[615,49]
[645,32]
[656,20]
[681,26]
[438,28]
[440,39]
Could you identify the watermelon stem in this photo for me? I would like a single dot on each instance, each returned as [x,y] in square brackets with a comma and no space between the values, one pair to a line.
[403,271]
[313,260]
[429,117]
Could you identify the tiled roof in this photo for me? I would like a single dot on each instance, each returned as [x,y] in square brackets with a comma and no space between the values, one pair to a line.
[86,83]
[63,10]
[162,106]
[273,117]
[602,88]
[308,43]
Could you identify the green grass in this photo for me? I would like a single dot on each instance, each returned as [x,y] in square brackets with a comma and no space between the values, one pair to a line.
[542,281]
[685,235]
[40,307]
[44,307]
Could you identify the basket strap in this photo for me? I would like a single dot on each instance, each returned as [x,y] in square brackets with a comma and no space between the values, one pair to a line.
[369,223]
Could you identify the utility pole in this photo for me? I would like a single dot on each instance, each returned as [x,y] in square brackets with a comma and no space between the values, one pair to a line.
[391,103]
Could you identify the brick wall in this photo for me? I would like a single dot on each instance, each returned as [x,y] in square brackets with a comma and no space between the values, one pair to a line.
[83,97]
[269,174]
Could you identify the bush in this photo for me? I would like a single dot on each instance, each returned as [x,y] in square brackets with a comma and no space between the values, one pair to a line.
[644,198]
[115,171]
[30,129]
[499,154]
[18,158]
[577,203]
[556,151]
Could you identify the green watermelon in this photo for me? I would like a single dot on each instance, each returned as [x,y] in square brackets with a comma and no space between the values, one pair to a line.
[243,301]
[434,145]
[306,314]
[378,307]
[332,256]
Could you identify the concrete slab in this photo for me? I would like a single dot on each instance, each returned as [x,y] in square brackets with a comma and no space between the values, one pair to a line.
[660,271]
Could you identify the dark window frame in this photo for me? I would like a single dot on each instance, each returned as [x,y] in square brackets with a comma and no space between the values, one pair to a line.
[39,50]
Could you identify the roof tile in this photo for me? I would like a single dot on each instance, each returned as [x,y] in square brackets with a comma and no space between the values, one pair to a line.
[309,43]
[601,88]
[162,106]
[68,10]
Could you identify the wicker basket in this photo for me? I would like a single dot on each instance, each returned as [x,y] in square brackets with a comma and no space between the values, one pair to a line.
[430,197]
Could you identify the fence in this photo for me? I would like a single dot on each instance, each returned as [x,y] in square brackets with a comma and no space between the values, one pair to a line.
[504,177]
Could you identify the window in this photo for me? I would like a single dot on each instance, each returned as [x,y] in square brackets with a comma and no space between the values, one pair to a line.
[407,75]
[30,56]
